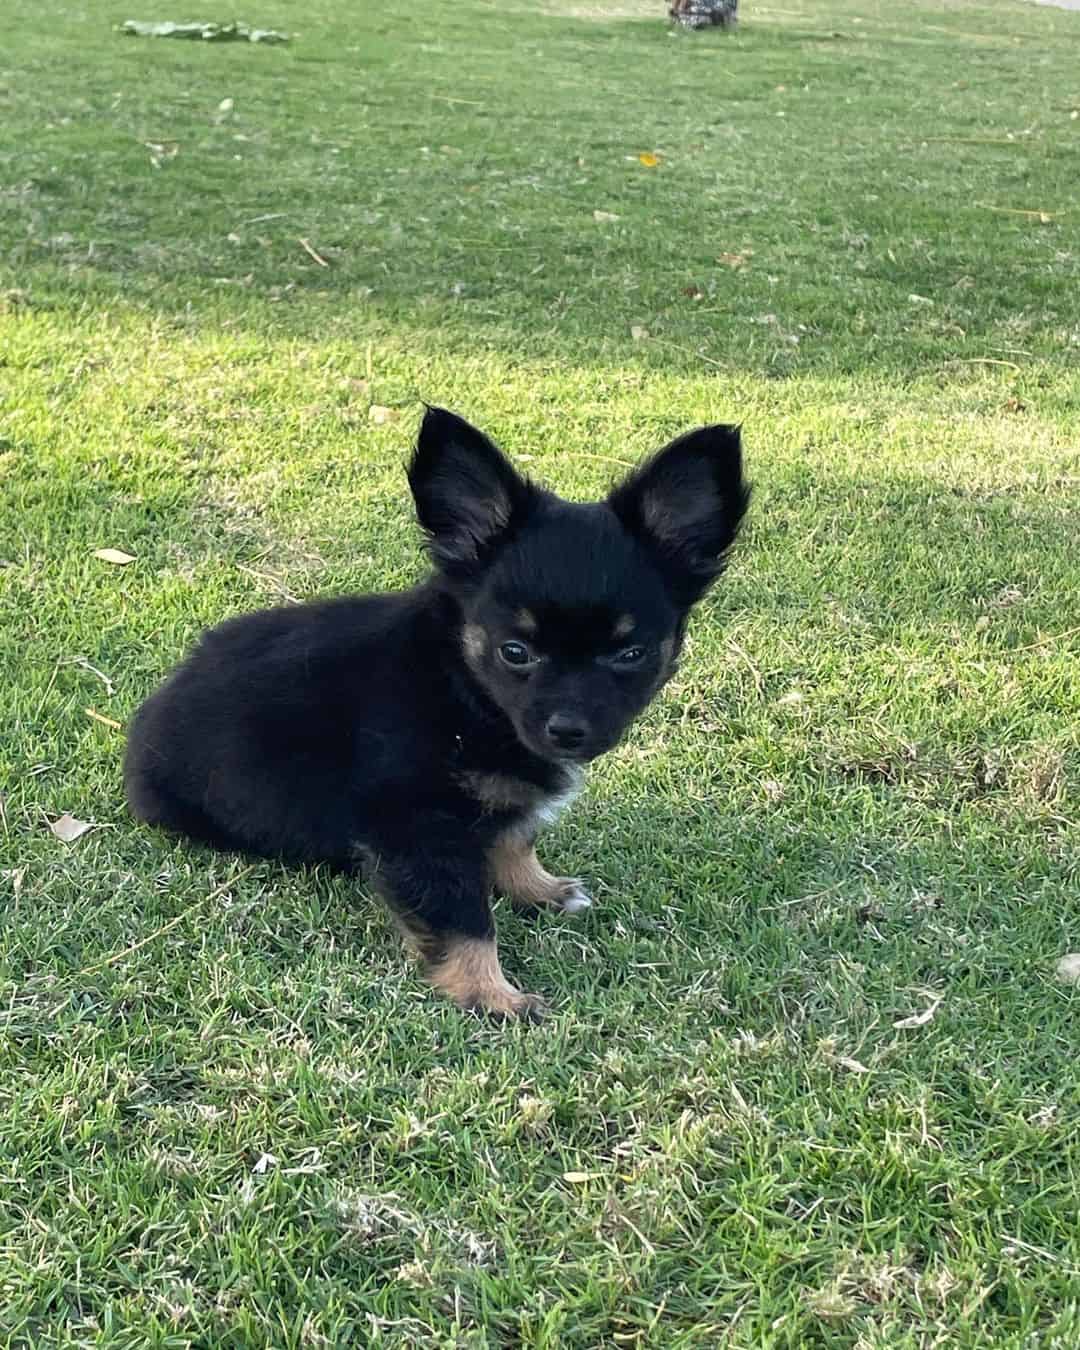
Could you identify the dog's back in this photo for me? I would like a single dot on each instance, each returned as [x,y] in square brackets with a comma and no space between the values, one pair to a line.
[252,743]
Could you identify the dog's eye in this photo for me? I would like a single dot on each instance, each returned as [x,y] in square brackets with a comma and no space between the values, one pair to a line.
[630,656]
[516,654]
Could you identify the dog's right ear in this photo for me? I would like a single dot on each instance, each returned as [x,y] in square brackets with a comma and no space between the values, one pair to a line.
[467,493]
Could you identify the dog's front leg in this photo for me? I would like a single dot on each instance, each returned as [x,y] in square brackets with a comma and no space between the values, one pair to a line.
[518,873]
[440,902]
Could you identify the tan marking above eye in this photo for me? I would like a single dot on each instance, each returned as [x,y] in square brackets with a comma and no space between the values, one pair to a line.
[474,643]
[625,626]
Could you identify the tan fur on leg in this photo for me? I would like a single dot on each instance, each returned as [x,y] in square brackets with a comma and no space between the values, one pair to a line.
[518,873]
[468,971]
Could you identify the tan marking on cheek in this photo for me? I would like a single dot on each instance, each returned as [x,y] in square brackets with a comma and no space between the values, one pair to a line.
[526,621]
[474,644]
[625,626]
[468,971]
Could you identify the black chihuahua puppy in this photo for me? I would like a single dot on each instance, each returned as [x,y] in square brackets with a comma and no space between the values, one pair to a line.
[425,736]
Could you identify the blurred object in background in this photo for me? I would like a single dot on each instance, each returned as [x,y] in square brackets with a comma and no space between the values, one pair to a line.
[705,13]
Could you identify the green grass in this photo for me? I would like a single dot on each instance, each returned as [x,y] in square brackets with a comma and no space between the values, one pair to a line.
[859,797]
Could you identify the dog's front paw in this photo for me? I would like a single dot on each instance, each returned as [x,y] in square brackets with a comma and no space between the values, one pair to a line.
[565,893]
[529,1008]
[468,970]
[572,897]
[507,1005]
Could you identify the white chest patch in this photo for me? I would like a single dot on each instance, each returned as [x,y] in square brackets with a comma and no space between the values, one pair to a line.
[551,808]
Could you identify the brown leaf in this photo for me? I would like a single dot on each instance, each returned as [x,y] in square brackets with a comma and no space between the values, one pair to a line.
[114,555]
[693,292]
[68,829]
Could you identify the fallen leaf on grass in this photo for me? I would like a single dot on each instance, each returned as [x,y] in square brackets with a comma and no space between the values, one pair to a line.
[604,215]
[693,292]
[161,150]
[202,32]
[68,829]
[114,555]
[263,1163]
[15,875]
[650,161]
[576,1178]
[852,1065]
[378,414]
[919,1019]
[1068,968]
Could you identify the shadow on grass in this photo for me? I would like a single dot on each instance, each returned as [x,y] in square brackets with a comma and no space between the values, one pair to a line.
[488,191]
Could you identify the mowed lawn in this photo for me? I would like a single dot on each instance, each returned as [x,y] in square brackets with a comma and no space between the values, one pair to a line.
[812,1078]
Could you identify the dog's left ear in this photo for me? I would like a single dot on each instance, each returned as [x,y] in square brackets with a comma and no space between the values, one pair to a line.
[685,505]
[467,493]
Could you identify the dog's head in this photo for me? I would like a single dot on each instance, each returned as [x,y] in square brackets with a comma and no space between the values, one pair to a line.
[573,614]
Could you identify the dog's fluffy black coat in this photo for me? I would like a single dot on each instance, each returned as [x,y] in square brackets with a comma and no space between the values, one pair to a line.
[430,732]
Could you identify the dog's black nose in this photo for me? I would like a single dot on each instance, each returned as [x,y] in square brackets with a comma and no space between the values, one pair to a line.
[566,732]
